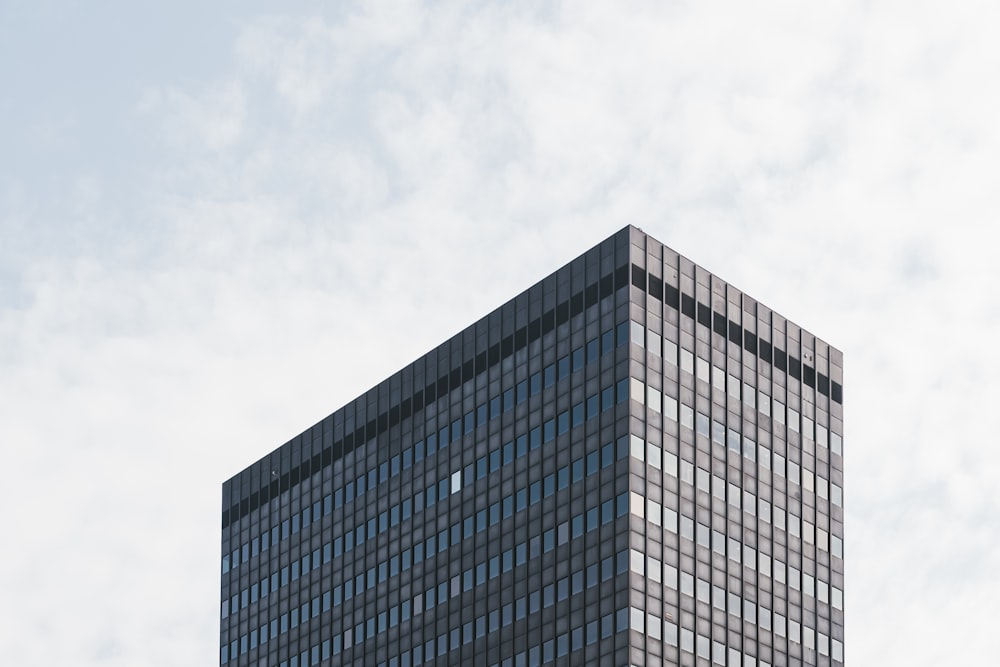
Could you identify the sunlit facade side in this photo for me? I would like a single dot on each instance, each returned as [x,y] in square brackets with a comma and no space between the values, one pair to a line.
[736,475]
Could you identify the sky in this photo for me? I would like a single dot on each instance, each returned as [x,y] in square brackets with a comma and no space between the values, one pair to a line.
[219,222]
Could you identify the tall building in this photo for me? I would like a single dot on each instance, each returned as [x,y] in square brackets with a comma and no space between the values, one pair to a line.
[630,463]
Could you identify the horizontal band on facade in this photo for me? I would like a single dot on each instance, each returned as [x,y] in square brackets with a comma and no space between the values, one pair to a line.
[720,324]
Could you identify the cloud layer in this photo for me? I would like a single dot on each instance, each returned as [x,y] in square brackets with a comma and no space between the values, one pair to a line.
[202,258]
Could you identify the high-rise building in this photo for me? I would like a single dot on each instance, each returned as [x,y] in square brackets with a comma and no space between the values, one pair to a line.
[630,463]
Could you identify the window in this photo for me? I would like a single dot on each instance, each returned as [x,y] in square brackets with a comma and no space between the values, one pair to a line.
[702,370]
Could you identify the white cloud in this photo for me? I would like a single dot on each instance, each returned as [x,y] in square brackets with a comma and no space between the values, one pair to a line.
[355,187]
[210,119]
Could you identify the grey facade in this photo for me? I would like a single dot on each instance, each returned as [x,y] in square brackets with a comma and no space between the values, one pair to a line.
[630,463]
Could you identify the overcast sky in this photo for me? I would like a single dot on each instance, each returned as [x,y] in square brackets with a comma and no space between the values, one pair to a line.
[219,223]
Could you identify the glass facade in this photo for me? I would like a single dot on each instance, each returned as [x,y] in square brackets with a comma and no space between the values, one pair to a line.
[630,463]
